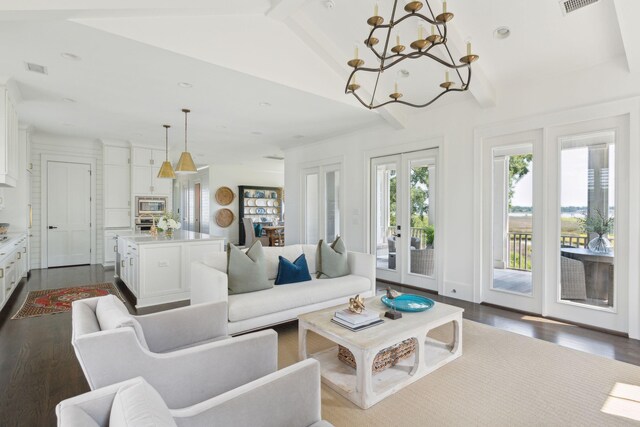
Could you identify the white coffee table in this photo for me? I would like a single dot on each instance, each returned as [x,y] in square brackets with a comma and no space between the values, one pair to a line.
[360,385]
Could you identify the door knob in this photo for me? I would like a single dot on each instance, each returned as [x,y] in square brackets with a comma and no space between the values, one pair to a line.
[51,227]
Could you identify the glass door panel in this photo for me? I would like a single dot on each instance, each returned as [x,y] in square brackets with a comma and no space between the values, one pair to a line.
[587,211]
[385,216]
[332,204]
[420,245]
[311,212]
[513,223]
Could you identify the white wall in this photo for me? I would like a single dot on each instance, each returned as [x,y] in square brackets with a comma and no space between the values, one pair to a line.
[452,127]
[66,146]
[232,177]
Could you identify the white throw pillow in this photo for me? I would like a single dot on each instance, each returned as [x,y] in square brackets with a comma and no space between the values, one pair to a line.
[112,313]
[139,405]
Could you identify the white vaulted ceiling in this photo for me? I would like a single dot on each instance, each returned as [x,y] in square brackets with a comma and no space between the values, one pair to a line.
[290,54]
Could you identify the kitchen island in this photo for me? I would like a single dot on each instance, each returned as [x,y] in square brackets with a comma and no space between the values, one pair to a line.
[156,269]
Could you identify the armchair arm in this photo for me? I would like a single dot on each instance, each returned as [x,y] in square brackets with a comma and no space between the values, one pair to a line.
[208,284]
[167,330]
[96,404]
[288,397]
[364,265]
[182,377]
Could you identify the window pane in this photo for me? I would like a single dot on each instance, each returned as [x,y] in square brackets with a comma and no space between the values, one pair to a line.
[586,217]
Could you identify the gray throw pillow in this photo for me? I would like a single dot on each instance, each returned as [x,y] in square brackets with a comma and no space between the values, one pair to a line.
[332,260]
[246,271]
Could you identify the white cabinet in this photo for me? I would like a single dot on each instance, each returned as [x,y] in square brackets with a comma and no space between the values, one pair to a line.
[111,245]
[146,165]
[13,265]
[9,136]
[117,187]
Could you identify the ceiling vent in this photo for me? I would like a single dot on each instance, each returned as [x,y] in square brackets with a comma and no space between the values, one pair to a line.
[569,6]
[36,68]
[274,157]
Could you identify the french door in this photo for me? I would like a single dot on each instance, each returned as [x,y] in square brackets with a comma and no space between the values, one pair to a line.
[404,232]
[513,221]
[557,220]
[589,164]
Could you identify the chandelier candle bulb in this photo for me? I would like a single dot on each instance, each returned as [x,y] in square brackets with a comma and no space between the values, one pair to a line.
[468,48]
[446,76]
[444,7]
[397,40]
[433,30]
[355,52]
[375,10]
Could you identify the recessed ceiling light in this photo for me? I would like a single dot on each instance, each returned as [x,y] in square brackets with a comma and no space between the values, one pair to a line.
[255,132]
[403,73]
[70,56]
[264,104]
[329,4]
[502,33]
[185,85]
[69,100]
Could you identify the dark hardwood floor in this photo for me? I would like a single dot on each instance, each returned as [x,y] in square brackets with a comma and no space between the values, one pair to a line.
[38,367]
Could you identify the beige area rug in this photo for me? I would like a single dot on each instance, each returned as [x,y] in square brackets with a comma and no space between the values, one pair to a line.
[502,379]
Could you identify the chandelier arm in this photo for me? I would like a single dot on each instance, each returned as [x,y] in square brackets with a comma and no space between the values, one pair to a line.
[416,55]
[384,51]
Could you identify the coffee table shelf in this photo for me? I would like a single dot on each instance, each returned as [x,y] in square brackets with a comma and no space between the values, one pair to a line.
[360,385]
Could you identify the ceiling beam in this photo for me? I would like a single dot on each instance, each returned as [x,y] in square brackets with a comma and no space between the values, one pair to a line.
[628,12]
[281,9]
[324,47]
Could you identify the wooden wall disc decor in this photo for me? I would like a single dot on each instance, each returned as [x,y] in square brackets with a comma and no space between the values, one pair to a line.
[224,217]
[224,196]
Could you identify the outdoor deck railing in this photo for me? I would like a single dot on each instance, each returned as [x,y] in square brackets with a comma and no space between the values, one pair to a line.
[520,248]
[415,232]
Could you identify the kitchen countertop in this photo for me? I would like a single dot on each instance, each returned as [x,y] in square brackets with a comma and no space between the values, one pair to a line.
[178,236]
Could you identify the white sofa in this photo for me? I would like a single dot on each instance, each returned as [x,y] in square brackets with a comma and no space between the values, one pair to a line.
[281,303]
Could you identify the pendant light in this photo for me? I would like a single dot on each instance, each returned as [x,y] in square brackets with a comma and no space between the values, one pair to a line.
[166,170]
[185,163]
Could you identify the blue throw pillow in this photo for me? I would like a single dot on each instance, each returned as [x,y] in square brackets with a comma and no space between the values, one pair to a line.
[257,228]
[292,272]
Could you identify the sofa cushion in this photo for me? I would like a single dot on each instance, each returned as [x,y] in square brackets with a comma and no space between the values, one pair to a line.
[332,260]
[112,313]
[281,298]
[139,405]
[310,254]
[272,256]
[246,270]
[292,272]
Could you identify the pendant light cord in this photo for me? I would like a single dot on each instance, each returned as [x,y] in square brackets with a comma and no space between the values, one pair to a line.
[185,129]
[166,144]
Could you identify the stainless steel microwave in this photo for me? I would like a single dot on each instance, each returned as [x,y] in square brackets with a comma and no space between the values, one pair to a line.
[150,205]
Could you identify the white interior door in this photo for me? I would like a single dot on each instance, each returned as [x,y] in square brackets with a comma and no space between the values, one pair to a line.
[404,221]
[512,216]
[68,213]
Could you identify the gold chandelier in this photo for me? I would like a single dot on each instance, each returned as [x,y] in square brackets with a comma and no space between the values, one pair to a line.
[420,49]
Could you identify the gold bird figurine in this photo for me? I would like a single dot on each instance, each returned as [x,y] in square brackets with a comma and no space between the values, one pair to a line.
[391,294]
[356,304]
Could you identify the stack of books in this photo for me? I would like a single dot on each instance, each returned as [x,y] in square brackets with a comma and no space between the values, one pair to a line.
[356,321]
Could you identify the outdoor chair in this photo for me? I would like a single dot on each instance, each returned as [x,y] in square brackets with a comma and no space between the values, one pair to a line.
[422,261]
[572,279]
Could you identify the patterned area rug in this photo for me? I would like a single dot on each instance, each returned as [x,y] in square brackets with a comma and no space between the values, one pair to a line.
[53,301]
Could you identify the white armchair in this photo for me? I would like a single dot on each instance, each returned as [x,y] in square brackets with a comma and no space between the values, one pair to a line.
[288,397]
[187,346]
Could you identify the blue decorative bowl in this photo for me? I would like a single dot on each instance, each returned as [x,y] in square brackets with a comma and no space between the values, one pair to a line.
[409,303]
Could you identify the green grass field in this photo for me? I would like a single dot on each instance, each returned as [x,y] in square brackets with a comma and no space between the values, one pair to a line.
[523,224]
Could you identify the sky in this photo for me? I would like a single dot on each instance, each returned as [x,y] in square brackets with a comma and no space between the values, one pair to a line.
[573,180]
